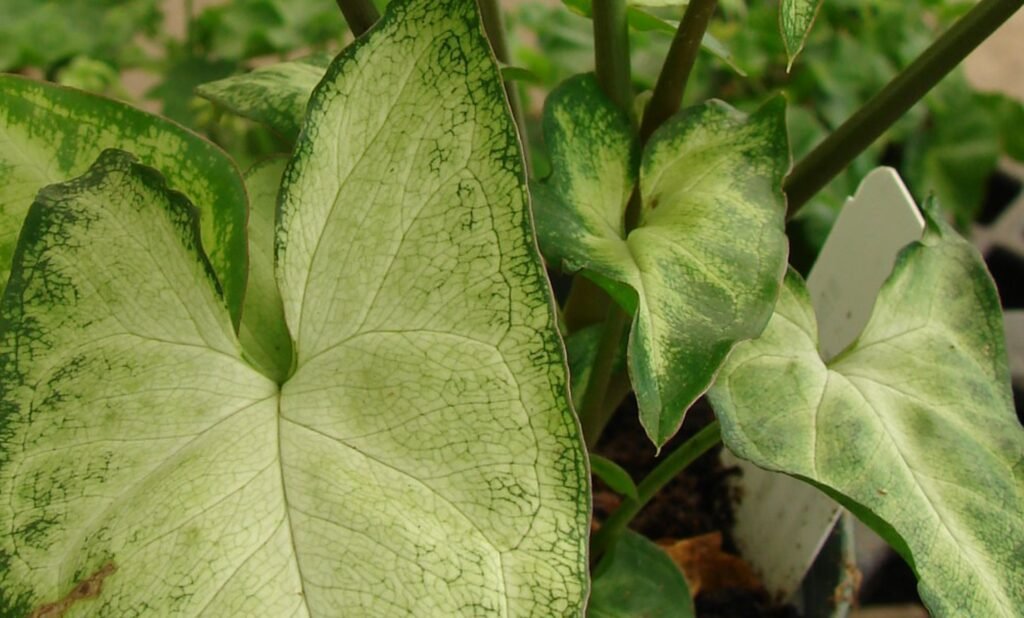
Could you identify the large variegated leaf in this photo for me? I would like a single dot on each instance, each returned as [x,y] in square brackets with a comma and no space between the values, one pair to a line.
[912,427]
[422,459]
[703,265]
[50,134]
[795,20]
[275,95]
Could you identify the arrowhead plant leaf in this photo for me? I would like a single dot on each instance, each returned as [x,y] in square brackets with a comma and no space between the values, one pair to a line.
[795,20]
[912,427]
[49,134]
[702,268]
[275,95]
[421,456]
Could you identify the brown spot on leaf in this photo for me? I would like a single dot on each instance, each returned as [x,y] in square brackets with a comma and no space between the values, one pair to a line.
[88,588]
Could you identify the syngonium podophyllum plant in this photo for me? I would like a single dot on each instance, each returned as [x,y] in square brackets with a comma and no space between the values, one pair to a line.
[336,387]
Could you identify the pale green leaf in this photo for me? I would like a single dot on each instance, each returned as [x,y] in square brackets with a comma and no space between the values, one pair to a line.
[795,20]
[708,255]
[637,579]
[135,445]
[406,262]
[275,95]
[422,459]
[262,331]
[912,427]
[49,134]
[613,475]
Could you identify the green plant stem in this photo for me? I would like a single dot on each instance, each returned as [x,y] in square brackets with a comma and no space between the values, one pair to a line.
[594,414]
[611,52]
[671,84]
[840,148]
[494,26]
[672,465]
[611,60]
[359,14]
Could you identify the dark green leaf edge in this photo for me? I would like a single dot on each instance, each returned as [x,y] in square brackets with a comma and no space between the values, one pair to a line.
[226,211]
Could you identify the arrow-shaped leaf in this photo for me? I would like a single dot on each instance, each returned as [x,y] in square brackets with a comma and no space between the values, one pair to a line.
[912,427]
[422,458]
[702,268]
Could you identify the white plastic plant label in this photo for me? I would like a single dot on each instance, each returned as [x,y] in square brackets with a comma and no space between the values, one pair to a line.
[781,523]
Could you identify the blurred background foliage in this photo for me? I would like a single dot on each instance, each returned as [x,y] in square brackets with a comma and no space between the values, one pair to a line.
[153,53]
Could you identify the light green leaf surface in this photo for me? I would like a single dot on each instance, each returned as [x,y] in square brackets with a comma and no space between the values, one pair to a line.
[795,20]
[275,95]
[912,427]
[421,460]
[262,332]
[637,579]
[706,260]
[49,134]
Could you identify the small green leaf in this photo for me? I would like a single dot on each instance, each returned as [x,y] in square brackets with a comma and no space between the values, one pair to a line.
[705,262]
[613,475]
[795,20]
[511,73]
[912,427]
[51,134]
[422,458]
[275,95]
[637,579]
[262,332]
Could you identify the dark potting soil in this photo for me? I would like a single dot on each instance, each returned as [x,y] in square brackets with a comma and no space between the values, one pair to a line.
[696,502]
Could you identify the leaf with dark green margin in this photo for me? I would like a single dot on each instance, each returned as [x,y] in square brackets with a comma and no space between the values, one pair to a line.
[421,459]
[912,427]
[613,475]
[639,580]
[706,260]
[275,95]
[49,134]
[262,332]
[795,20]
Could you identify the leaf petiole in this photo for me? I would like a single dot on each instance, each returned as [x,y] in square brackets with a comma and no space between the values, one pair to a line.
[672,465]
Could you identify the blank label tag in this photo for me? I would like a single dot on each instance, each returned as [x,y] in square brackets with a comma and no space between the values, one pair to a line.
[858,256]
[781,523]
